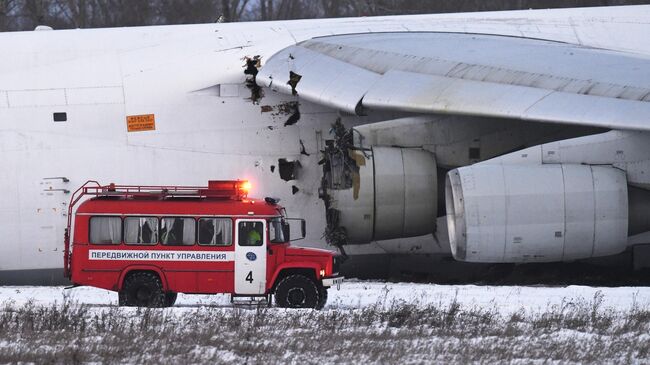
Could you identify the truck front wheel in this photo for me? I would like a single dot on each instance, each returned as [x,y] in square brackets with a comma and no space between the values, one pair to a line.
[322,291]
[142,289]
[297,291]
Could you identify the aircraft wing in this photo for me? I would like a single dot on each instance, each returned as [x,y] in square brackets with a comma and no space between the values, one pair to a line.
[472,74]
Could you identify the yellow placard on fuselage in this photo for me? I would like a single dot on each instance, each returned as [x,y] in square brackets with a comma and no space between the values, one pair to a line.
[140,123]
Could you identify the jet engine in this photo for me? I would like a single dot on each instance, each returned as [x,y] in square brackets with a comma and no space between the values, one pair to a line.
[379,193]
[541,213]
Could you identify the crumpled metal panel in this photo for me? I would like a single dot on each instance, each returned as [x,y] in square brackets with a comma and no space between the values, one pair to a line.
[483,75]
[320,79]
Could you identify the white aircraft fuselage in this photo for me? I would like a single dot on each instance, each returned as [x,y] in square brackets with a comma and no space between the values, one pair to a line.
[209,124]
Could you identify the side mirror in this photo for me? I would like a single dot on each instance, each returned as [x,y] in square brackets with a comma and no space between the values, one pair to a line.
[303,228]
[286,231]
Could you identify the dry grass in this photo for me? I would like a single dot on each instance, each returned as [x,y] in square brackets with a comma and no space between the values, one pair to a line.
[383,333]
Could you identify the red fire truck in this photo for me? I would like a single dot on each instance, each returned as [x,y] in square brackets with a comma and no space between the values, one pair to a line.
[149,243]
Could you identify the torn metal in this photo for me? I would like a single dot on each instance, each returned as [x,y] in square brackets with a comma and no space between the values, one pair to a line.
[294,109]
[289,170]
[334,234]
[338,165]
[288,108]
[251,68]
[340,170]
[294,79]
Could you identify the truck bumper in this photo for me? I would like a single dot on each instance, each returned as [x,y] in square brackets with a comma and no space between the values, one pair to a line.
[336,280]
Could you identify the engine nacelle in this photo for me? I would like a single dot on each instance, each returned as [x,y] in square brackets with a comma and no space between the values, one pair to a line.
[392,193]
[541,213]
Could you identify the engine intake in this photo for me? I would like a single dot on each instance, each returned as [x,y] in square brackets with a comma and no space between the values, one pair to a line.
[522,213]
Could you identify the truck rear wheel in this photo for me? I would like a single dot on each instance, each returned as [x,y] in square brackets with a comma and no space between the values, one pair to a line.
[142,289]
[171,298]
[297,291]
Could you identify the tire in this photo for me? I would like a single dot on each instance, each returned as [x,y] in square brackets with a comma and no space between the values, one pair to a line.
[121,298]
[142,289]
[170,298]
[322,292]
[297,291]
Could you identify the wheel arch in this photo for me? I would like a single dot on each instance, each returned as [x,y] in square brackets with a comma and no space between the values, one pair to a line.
[142,268]
[309,270]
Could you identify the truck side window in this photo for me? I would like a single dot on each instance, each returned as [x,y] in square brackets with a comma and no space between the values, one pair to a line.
[215,231]
[251,233]
[105,230]
[141,230]
[177,231]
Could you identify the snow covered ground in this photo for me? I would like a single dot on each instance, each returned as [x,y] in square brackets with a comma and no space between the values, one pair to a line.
[359,294]
[369,322]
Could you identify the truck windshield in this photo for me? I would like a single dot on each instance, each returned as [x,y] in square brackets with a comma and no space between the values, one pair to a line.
[277,230]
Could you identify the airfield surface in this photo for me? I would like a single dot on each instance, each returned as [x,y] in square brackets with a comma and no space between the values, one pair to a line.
[372,322]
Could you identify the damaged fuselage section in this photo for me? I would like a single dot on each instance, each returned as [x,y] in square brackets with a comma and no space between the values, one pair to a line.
[251,68]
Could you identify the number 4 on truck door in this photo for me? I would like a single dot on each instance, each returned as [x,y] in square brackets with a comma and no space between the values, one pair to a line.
[250,257]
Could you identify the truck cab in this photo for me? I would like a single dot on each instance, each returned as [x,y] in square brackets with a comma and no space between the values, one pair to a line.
[149,243]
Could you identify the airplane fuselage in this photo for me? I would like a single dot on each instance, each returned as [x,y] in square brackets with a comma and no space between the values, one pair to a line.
[66,98]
